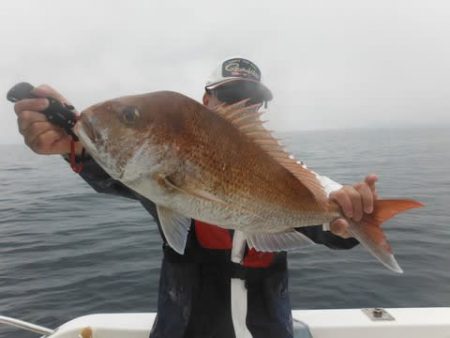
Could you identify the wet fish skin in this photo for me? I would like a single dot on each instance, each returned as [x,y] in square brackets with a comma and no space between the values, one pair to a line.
[220,167]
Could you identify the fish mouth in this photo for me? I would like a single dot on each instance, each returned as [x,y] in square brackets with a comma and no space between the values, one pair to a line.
[84,129]
[88,136]
[94,143]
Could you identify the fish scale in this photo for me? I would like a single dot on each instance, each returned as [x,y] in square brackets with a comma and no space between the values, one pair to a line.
[218,166]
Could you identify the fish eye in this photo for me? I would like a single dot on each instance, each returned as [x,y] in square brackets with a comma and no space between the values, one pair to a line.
[130,114]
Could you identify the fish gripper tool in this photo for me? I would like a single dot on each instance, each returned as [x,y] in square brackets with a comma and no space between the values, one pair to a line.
[58,113]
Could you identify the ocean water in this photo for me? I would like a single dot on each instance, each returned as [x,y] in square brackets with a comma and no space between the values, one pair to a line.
[67,251]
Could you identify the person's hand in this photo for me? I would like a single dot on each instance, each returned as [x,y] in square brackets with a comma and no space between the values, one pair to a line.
[355,201]
[39,134]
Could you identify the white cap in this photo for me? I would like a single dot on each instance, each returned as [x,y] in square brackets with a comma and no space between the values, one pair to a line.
[237,69]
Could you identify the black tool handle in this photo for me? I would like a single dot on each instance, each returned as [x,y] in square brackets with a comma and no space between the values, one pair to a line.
[58,113]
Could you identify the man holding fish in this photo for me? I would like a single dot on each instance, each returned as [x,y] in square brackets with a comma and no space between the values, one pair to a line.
[224,271]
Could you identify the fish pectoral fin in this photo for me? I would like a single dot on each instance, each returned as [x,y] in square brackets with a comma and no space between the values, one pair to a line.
[191,190]
[175,228]
[284,241]
[205,195]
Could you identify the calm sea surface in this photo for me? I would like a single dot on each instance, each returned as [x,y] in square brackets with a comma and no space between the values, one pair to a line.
[66,251]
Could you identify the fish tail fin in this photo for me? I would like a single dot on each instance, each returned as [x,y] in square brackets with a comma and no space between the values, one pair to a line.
[369,233]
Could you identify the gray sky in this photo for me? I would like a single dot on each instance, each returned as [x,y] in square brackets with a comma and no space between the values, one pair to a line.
[330,64]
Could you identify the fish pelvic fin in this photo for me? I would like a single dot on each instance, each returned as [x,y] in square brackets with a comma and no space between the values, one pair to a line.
[175,228]
[369,233]
[248,120]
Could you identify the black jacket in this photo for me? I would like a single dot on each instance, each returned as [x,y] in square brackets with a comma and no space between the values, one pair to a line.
[194,290]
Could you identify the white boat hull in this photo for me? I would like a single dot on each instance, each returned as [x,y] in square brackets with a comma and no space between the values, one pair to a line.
[349,323]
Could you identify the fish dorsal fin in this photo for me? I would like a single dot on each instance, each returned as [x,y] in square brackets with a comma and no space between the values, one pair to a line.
[248,120]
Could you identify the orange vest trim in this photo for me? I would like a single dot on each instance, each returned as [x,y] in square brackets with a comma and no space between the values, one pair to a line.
[212,237]
[255,259]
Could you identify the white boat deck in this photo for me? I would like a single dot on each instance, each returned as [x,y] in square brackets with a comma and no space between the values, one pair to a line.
[350,323]
[354,323]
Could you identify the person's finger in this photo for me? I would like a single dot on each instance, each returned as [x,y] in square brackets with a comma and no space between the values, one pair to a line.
[356,201]
[50,142]
[40,135]
[366,197]
[371,181]
[39,104]
[36,128]
[45,90]
[343,200]
[62,146]
[339,227]
[27,117]
[375,196]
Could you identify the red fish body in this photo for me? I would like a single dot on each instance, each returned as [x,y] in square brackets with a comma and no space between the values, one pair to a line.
[222,167]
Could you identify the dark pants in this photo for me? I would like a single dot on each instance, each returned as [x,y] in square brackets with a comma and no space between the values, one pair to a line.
[194,302]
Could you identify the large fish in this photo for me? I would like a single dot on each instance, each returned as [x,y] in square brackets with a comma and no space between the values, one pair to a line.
[222,167]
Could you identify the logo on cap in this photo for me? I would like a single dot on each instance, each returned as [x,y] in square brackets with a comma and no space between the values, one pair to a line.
[241,68]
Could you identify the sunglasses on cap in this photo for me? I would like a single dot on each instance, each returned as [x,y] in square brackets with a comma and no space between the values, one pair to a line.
[237,92]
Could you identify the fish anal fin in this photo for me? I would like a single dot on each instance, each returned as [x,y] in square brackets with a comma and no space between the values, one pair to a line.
[285,241]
